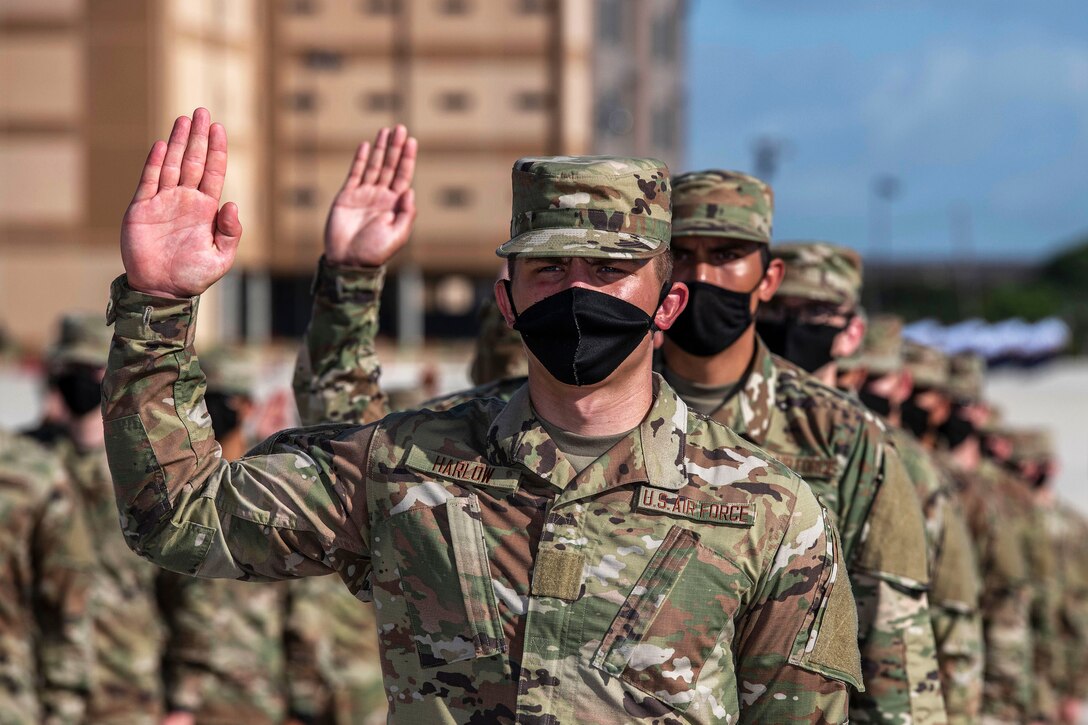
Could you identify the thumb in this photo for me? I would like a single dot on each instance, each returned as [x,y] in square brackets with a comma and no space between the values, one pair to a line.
[406,213]
[228,228]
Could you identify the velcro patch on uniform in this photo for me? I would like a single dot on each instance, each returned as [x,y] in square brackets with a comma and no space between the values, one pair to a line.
[811,466]
[478,473]
[558,573]
[671,503]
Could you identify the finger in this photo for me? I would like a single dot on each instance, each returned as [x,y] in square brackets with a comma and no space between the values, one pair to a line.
[406,169]
[392,155]
[228,228]
[175,149]
[377,157]
[355,174]
[149,179]
[215,169]
[405,215]
[196,150]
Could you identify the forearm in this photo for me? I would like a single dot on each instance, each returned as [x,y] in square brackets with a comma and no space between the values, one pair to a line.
[338,375]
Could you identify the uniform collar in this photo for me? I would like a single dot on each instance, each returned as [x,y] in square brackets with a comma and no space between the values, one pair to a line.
[652,453]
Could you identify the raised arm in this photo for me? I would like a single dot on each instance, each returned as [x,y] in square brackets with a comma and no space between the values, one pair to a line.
[337,378]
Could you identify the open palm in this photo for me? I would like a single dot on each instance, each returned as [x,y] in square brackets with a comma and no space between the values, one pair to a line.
[175,240]
[371,216]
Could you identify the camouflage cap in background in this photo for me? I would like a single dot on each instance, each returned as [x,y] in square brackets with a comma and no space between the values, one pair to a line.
[84,339]
[1031,444]
[231,370]
[607,207]
[927,365]
[717,203]
[820,271]
[995,420]
[966,371]
[499,351]
[881,350]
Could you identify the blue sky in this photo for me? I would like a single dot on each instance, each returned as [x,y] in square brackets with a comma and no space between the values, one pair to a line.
[978,105]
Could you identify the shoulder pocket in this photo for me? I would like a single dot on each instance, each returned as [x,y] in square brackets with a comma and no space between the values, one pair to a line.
[436,546]
[673,618]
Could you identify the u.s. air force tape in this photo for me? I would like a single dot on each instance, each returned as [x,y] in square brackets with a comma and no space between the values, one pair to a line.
[670,503]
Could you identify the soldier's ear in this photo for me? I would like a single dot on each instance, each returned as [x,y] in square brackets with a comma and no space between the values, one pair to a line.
[772,280]
[671,306]
[503,295]
[849,340]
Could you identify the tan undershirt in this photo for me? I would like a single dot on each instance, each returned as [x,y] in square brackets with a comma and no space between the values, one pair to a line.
[704,398]
[581,450]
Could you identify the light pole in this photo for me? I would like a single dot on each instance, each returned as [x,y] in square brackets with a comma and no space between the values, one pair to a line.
[886,188]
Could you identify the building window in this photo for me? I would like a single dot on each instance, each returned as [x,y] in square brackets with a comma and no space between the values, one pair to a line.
[533,100]
[610,20]
[300,7]
[454,196]
[304,196]
[379,7]
[380,101]
[454,101]
[324,60]
[532,7]
[453,7]
[663,37]
[301,101]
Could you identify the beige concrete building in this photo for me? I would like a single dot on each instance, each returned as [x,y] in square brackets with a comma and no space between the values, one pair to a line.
[89,84]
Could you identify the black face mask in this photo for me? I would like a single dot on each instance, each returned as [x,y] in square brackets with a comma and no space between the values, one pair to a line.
[879,405]
[806,345]
[915,419]
[956,429]
[580,335]
[80,389]
[712,321]
[223,412]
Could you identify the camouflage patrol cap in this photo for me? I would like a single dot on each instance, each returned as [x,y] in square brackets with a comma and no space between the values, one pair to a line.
[927,365]
[717,203]
[499,350]
[607,207]
[84,339]
[231,370]
[995,420]
[1031,444]
[882,349]
[965,374]
[820,271]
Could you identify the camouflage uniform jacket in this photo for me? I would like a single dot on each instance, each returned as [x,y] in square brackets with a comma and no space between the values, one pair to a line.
[843,451]
[446,514]
[128,631]
[224,654]
[1068,530]
[45,569]
[954,590]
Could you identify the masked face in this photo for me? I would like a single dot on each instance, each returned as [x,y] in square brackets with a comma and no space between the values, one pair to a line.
[915,418]
[956,429]
[712,321]
[804,344]
[223,410]
[580,335]
[876,403]
[80,387]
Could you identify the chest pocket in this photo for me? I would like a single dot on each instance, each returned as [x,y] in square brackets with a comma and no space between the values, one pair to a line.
[446,582]
[672,620]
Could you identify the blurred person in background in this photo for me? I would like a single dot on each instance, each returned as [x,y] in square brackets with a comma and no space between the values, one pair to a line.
[815,321]
[46,567]
[128,631]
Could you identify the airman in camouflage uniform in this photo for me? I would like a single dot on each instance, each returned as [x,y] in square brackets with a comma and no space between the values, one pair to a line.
[508,585]
[956,580]
[45,570]
[128,632]
[999,518]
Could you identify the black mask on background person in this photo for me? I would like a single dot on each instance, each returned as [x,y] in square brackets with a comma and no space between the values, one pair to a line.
[223,412]
[580,335]
[804,344]
[956,429]
[713,319]
[915,419]
[80,389]
[1040,478]
[876,403]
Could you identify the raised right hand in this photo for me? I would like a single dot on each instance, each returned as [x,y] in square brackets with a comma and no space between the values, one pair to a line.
[175,240]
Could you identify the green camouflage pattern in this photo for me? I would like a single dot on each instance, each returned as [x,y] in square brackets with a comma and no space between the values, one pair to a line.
[844,453]
[966,371]
[46,562]
[128,628]
[499,351]
[609,207]
[232,370]
[1067,529]
[1031,444]
[820,271]
[718,203]
[440,517]
[83,339]
[881,350]
[928,366]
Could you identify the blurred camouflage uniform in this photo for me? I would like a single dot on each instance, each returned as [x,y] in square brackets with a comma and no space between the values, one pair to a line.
[998,518]
[844,453]
[956,579]
[45,571]
[128,632]
[442,517]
